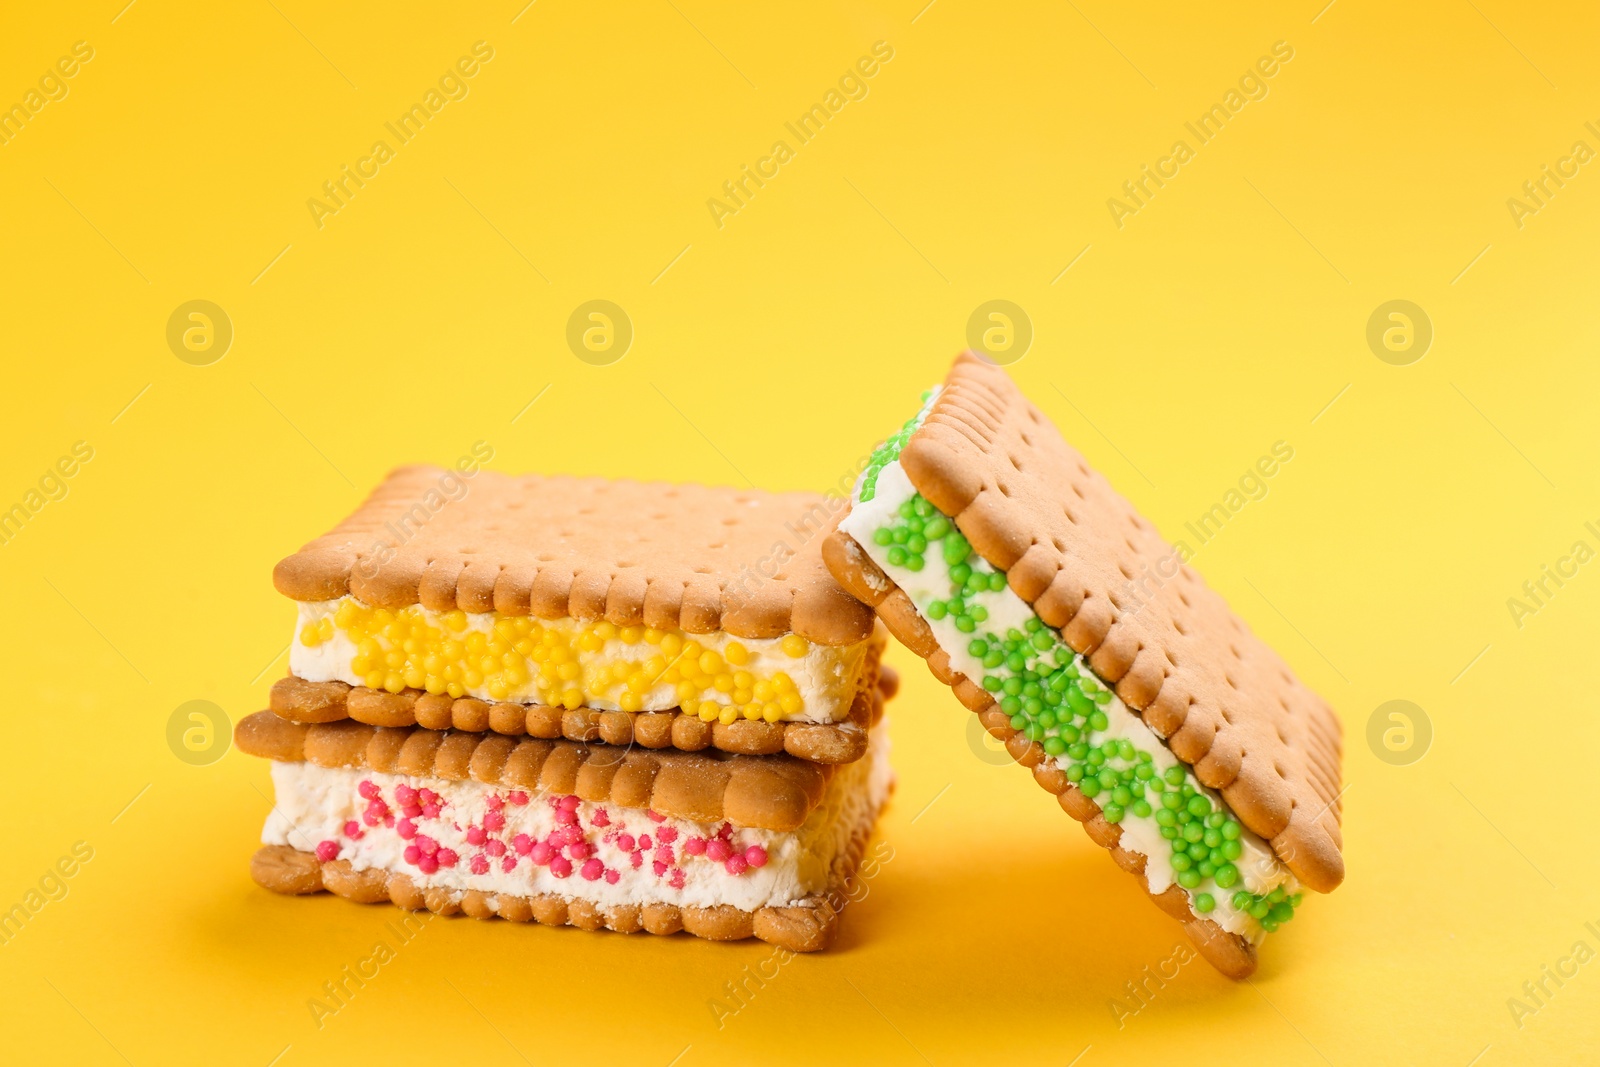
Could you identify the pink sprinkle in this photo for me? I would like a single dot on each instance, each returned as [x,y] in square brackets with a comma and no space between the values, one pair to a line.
[592,869]
[725,830]
[560,867]
[404,794]
[412,810]
[570,802]
[427,796]
[581,851]
[368,789]
[495,847]
[717,849]
[494,821]
[388,820]
[667,835]
[479,864]
[655,816]
[523,844]
[495,802]
[542,853]
[431,811]
[570,835]
[612,877]
[328,851]
[567,818]
[509,863]
[695,846]
[600,818]
[428,845]
[625,842]
[370,818]
[447,857]
[352,829]
[428,864]
[664,855]
[475,835]
[518,797]
[637,859]
[406,829]
[659,867]
[676,881]
[755,856]
[645,842]
[735,864]
[413,854]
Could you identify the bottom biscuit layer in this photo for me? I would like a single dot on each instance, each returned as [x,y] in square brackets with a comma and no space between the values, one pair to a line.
[804,926]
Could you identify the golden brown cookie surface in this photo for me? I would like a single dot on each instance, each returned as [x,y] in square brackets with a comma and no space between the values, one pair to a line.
[687,557]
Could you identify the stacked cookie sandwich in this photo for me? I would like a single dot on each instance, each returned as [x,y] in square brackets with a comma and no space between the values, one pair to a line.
[1088,646]
[605,703]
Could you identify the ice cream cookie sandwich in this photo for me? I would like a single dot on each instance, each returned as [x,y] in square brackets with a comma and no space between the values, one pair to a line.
[1088,646]
[661,615]
[722,846]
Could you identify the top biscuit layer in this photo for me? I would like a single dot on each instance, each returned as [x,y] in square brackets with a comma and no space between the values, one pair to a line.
[1098,572]
[685,557]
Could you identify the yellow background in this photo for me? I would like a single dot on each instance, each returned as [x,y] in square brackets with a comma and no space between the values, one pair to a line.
[1228,314]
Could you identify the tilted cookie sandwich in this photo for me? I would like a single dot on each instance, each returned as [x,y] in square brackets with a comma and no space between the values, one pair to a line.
[1058,614]
[619,611]
[596,836]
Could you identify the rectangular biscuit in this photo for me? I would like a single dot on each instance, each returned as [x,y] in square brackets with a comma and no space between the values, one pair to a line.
[580,593]
[1084,641]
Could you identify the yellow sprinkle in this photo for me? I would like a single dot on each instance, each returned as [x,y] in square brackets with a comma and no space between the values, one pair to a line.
[729,716]
[795,646]
[736,654]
